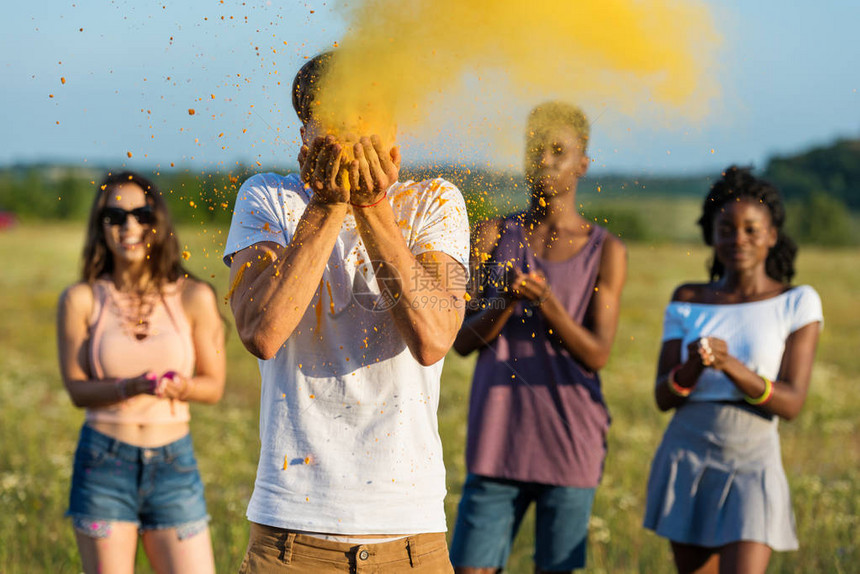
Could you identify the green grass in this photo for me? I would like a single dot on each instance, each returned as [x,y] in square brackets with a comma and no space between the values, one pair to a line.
[38,424]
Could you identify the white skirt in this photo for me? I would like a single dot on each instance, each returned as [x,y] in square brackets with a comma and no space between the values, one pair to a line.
[717,478]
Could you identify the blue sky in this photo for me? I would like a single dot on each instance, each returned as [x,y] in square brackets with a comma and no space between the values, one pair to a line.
[790,75]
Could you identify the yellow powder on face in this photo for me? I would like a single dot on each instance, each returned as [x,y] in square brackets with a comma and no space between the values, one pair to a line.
[399,56]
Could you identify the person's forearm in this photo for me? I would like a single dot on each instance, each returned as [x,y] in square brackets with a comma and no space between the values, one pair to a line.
[426,314]
[269,303]
[203,389]
[481,328]
[582,344]
[785,401]
[270,296]
[106,392]
[686,376]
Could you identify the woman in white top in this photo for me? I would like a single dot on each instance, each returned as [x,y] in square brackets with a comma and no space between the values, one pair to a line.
[737,355]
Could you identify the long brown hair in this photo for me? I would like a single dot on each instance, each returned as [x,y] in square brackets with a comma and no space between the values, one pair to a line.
[164,259]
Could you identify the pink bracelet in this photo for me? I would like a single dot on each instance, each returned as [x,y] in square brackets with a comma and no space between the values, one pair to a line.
[153,382]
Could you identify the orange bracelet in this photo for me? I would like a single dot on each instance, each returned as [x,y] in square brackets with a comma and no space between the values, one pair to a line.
[677,389]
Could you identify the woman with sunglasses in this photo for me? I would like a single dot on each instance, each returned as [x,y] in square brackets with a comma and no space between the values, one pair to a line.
[139,338]
[737,356]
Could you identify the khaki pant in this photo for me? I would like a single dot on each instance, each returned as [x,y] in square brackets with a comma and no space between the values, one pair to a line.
[276,550]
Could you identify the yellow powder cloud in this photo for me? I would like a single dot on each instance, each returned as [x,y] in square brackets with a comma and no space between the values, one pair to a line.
[399,57]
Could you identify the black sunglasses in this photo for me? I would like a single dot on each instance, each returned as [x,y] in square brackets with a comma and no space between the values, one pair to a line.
[117,215]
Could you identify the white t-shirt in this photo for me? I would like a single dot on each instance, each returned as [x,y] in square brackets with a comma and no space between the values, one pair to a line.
[755,333]
[348,428]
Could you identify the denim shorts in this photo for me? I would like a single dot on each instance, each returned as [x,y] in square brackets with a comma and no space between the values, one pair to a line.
[154,488]
[490,513]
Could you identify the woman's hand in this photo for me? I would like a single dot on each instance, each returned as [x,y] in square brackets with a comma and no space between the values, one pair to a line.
[531,286]
[709,352]
[172,385]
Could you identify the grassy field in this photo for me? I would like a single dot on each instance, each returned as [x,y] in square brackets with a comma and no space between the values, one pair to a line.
[38,424]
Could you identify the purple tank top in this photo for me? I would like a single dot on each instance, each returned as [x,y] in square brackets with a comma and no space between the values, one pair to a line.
[535,413]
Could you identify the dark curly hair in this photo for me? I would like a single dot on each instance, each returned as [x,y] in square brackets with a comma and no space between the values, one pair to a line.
[164,261]
[737,182]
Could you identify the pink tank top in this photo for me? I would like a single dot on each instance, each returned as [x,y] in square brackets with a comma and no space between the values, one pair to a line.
[117,352]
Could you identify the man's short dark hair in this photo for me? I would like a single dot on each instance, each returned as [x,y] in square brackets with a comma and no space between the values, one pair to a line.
[306,84]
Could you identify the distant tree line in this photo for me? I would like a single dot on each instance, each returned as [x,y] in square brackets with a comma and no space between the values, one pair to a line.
[34,192]
[821,186]
[833,170]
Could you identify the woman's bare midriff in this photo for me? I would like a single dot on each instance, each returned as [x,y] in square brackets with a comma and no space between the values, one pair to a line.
[142,435]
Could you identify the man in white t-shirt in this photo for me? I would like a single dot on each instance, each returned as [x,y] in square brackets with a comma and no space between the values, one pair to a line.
[350,299]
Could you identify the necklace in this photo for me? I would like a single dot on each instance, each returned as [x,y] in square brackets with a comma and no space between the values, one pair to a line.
[135,309]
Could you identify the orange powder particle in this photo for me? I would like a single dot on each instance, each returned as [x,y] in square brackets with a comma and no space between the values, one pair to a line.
[318,312]
[330,298]
[191,111]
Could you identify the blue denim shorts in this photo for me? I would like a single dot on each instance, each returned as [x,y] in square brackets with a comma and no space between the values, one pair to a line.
[154,488]
[490,513]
